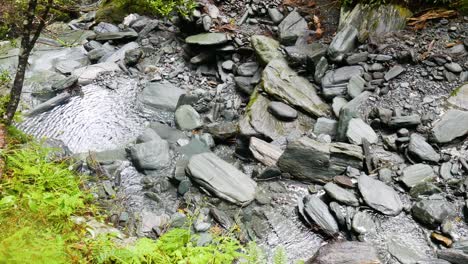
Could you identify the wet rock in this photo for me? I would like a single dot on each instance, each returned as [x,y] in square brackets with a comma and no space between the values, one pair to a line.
[344,42]
[394,72]
[416,174]
[187,118]
[223,131]
[221,178]
[264,152]
[64,84]
[88,74]
[363,223]
[432,212]
[207,39]
[453,256]
[267,48]
[459,97]
[133,56]
[379,196]
[355,86]
[292,27]
[283,83]
[453,67]
[316,211]
[404,121]
[348,112]
[403,252]
[275,15]
[325,126]
[341,195]
[359,130]
[453,124]
[345,252]
[49,104]
[162,96]
[152,155]
[123,35]
[424,188]
[419,148]
[244,84]
[96,54]
[282,111]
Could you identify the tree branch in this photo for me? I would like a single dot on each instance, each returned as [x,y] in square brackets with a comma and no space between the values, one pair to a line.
[42,23]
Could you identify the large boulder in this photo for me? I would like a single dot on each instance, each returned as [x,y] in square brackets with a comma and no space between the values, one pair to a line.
[283,83]
[267,48]
[379,196]
[349,252]
[452,125]
[151,155]
[161,96]
[221,178]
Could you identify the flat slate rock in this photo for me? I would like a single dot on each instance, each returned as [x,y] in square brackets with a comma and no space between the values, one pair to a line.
[453,124]
[453,256]
[394,72]
[318,214]
[187,118]
[221,178]
[459,97]
[346,252]
[419,148]
[340,194]
[432,212]
[162,96]
[266,153]
[282,111]
[292,26]
[417,173]
[207,39]
[379,196]
[123,35]
[359,130]
[88,74]
[152,155]
[345,41]
[267,48]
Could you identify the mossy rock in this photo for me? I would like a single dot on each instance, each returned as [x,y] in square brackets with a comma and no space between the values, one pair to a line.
[111,11]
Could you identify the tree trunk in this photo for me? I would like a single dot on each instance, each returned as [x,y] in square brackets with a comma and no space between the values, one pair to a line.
[16,89]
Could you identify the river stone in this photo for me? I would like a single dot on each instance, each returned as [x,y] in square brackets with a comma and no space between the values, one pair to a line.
[453,256]
[247,69]
[453,124]
[394,72]
[86,75]
[282,111]
[363,223]
[403,252]
[147,136]
[267,48]
[152,155]
[104,27]
[222,179]
[150,220]
[421,149]
[317,212]
[345,41]
[306,54]
[320,69]
[64,84]
[355,86]
[223,130]
[266,153]
[49,104]
[325,126]
[124,35]
[454,67]
[338,103]
[379,196]
[348,112]
[162,96]
[432,212]
[275,15]
[96,54]
[119,55]
[132,56]
[167,133]
[342,75]
[359,130]
[459,97]
[244,84]
[357,57]
[341,195]
[187,118]
[404,121]
[207,39]
[424,188]
[345,252]
[292,27]
[417,173]
[283,83]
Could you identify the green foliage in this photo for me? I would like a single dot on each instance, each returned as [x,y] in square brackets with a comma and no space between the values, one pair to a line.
[4,77]
[280,256]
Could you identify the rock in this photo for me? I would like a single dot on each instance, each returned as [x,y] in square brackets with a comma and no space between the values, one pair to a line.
[162,96]
[150,25]
[227,65]
[104,27]
[149,220]
[325,126]
[133,56]
[358,130]
[292,27]
[194,146]
[348,112]
[419,148]
[338,103]
[441,239]
[345,41]
[307,159]
[432,212]
[187,118]
[147,136]
[404,121]
[282,111]
[424,188]
[275,15]
[64,84]
[363,223]
[222,218]
[119,55]
[244,84]
[316,211]
[88,74]
[96,54]
[266,48]
[152,155]
[266,153]
[335,83]
[417,173]
[283,83]
[345,252]
[320,69]
[123,35]
[223,131]
[167,133]
[221,178]
[379,196]
[403,252]
[247,69]
[92,45]
[356,86]
[394,72]
[385,175]
[357,57]
[453,67]
[459,97]
[341,195]
[306,54]
[207,39]
[453,124]
[453,256]
[49,104]
[374,21]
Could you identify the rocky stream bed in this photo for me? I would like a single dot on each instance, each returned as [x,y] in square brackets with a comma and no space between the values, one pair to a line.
[341,148]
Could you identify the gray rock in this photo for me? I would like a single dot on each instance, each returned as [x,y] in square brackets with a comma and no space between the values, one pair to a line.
[454,67]
[88,74]
[266,153]
[227,65]
[453,256]
[394,72]
[221,178]
[167,133]
[195,146]
[404,121]
[317,212]
[325,126]
[341,75]
[224,130]
[445,170]
[124,35]
[461,245]
[453,124]
[357,57]
[207,39]
[341,195]
[338,103]
[320,69]
[150,220]
[424,188]
[147,136]
[247,69]
[416,174]
[283,83]
[119,55]
[96,54]
[345,252]
[432,261]
[385,175]
[348,112]
[104,27]
[244,84]
[379,196]
[162,96]
[282,111]
[49,104]
[150,25]
[275,15]
[187,118]
[459,97]
[345,41]
[91,45]
[266,48]
[419,148]
[356,86]
[306,54]
[292,27]
[359,130]
[152,155]
[207,23]
[403,252]
[222,218]
[363,223]
[464,77]
[64,84]
[432,212]
[133,56]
